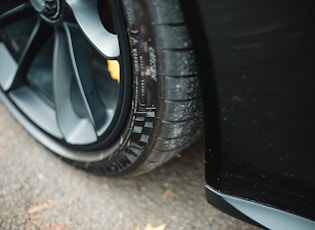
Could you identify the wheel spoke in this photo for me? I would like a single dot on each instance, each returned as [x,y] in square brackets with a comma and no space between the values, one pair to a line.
[81,53]
[76,130]
[62,71]
[87,16]
[17,12]
[8,67]
[18,72]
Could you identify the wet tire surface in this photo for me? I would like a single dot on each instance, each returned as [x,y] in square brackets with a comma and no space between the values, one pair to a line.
[38,191]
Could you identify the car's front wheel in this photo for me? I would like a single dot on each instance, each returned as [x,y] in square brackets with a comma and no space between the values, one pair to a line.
[109,86]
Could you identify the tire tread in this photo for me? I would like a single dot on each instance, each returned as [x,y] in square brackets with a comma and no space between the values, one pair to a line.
[180,117]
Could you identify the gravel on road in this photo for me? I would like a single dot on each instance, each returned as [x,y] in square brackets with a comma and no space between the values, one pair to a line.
[38,191]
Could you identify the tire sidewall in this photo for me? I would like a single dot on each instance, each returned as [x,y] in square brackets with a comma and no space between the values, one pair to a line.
[142,124]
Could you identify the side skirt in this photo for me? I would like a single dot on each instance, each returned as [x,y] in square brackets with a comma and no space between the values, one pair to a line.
[257,214]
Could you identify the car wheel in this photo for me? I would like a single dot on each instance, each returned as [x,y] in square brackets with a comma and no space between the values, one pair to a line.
[111,87]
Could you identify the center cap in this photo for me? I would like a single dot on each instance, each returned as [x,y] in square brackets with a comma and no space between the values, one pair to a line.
[39,5]
[48,9]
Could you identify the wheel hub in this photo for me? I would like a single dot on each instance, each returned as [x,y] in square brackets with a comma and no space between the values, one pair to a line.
[48,9]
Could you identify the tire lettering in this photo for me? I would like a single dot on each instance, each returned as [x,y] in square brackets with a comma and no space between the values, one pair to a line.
[119,165]
[142,88]
[135,150]
[141,66]
[124,161]
[153,63]
[136,60]
[134,40]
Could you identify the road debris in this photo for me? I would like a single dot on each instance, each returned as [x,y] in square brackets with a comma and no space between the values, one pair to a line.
[161,227]
[166,193]
[37,208]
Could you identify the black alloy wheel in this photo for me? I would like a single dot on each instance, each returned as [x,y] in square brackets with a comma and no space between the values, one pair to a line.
[73,74]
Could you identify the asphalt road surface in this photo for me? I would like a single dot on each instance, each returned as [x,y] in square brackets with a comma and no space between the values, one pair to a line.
[38,191]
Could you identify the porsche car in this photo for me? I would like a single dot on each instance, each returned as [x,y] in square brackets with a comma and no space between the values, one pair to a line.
[119,87]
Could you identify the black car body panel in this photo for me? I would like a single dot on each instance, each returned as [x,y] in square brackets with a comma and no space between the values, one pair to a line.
[256,60]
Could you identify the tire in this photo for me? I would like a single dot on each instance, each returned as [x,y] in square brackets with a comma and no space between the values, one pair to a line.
[156,107]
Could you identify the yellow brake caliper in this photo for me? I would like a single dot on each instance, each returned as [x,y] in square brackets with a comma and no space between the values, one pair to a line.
[114,69]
